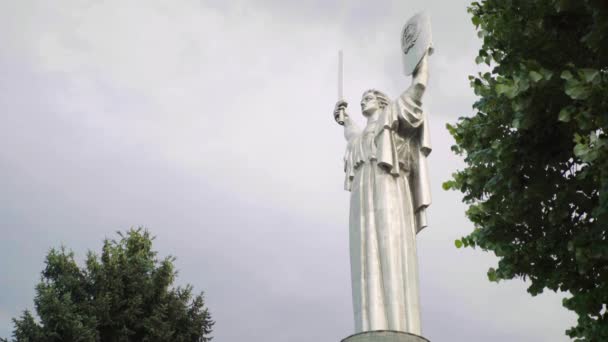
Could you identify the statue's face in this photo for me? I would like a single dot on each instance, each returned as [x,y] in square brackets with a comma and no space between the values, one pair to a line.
[369,104]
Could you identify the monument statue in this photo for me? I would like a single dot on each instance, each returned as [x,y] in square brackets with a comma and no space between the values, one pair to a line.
[386,174]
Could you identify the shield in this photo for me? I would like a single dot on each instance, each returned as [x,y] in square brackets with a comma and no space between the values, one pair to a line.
[416,40]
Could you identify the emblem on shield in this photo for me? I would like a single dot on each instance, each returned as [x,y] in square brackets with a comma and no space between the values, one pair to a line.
[410,35]
[416,41]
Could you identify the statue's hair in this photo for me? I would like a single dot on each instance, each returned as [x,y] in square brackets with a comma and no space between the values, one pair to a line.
[382,98]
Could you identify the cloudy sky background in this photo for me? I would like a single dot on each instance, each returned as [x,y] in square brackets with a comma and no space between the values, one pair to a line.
[210,123]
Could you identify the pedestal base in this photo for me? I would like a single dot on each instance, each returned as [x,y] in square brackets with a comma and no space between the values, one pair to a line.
[384,336]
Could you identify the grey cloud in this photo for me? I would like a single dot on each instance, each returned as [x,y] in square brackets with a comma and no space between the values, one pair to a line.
[211,125]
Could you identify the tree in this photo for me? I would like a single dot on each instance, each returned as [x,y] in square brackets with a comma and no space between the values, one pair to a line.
[536,150]
[124,295]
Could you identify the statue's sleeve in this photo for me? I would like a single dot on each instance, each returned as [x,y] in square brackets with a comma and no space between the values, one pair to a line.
[404,117]
[351,132]
[413,124]
[409,110]
[349,167]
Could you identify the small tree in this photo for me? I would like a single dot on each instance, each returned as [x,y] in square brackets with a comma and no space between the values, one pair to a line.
[124,295]
[536,150]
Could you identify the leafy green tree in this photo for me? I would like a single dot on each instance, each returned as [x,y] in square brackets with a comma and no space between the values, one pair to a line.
[536,150]
[124,295]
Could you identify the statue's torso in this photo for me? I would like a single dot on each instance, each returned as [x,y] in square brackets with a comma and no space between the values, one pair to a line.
[362,148]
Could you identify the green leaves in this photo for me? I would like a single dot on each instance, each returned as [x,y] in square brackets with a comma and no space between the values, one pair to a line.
[590,148]
[507,89]
[567,75]
[458,243]
[581,86]
[565,114]
[580,150]
[448,185]
[492,276]
[535,76]
[536,151]
[589,75]
[577,91]
[526,77]
[125,295]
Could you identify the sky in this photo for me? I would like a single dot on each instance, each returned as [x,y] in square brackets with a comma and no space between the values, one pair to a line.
[210,123]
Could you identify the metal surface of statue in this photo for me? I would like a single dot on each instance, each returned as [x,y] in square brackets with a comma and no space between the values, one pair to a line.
[386,174]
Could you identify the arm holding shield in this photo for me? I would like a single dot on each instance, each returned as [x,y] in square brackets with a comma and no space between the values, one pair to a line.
[417,45]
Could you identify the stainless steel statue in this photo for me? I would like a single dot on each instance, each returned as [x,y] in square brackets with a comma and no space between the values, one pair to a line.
[386,173]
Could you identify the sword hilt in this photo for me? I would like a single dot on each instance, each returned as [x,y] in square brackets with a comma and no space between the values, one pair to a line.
[341,113]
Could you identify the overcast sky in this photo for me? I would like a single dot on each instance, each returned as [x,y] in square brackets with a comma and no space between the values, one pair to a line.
[210,123]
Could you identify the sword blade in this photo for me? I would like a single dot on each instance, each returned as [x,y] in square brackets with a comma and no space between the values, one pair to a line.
[340,75]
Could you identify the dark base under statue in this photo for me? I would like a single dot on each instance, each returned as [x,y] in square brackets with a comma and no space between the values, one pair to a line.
[384,336]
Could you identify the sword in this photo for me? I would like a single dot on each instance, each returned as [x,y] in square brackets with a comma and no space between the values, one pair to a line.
[340,117]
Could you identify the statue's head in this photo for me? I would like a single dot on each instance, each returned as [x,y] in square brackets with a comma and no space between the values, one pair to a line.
[372,101]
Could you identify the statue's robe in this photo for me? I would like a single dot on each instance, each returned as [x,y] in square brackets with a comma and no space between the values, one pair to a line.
[386,173]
